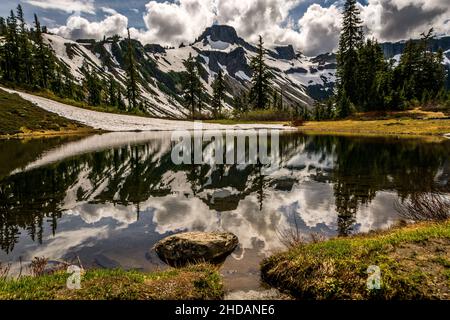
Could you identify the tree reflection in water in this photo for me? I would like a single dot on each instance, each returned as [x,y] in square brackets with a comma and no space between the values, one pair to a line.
[132,173]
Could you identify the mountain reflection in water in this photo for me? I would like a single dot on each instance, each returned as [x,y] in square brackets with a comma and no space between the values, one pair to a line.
[109,198]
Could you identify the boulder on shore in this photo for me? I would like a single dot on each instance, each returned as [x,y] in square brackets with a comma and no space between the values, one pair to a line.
[195,247]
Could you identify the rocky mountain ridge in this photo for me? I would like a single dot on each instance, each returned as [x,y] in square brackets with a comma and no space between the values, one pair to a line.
[300,79]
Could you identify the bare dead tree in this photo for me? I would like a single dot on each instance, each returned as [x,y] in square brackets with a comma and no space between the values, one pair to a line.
[292,236]
[425,206]
[37,266]
[4,270]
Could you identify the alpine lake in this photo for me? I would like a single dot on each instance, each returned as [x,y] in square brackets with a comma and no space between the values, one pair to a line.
[106,199]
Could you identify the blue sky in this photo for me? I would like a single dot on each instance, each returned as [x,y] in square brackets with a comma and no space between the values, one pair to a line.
[122,6]
[310,25]
[125,7]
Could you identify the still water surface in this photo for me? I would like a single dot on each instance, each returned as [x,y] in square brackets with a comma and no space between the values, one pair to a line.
[109,198]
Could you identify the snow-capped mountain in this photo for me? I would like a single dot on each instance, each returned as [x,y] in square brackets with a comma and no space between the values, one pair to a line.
[301,79]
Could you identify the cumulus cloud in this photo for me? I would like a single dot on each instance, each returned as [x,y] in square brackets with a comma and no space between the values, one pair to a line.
[251,18]
[317,31]
[391,20]
[184,20]
[80,28]
[70,6]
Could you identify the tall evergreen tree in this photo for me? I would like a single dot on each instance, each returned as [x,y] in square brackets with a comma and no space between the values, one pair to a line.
[275,99]
[2,26]
[120,102]
[345,107]
[280,105]
[192,86]
[132,76]
[329,109]
[420,74]
[261,79]
[112,92]
[3,31]
[218,95]
[68,90]
[370,74]
[351,40]
[25,50]
[11,48]
[43,56]
[92,85]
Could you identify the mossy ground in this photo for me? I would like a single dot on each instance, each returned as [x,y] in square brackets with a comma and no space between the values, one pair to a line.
[19,117]
[414,263]
[190,283]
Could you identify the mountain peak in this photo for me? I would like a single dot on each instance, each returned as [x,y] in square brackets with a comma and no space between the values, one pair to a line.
[286,52]
[222,33]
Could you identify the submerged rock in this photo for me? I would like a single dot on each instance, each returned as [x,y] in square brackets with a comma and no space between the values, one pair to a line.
[194,247]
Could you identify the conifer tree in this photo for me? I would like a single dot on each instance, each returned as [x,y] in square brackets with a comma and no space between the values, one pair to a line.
[43,56]
[420,74]
[92,85]
[68,90]
[132,76]
[11,48]
[192,86]
[56,83]
[275,99]
[2,26]
[372,67]
[329,112]
[344,106]
[218,95]
[351,40]
[112,95]
[25,50]
[280,105]
[261,78]
[120,102]
[3,30]
[304,114]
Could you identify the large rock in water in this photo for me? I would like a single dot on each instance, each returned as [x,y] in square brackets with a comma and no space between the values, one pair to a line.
[194,247]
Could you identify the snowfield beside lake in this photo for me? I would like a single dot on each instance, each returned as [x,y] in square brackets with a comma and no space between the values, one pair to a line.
[119,122]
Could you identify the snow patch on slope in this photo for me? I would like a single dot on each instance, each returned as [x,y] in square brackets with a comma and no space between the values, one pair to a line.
[119,122]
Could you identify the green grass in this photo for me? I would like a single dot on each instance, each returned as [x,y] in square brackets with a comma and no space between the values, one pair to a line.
[413,262]
[21,117]
[190,283]
[237,121]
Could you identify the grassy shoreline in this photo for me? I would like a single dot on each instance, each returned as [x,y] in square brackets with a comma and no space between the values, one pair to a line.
[414,262]
[201,282]
[405,127]
[19,118]
[412,124]
[49,134]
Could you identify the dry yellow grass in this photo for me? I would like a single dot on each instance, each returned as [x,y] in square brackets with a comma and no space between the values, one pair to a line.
[410,127]
[415,122]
